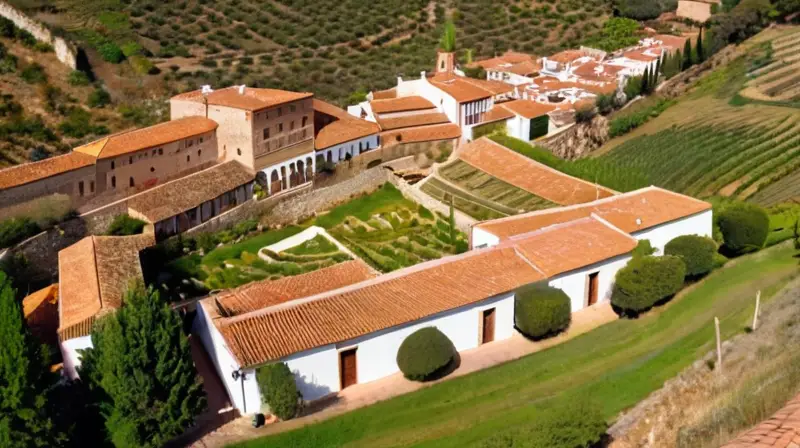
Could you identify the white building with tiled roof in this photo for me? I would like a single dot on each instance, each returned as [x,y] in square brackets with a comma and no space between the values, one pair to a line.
[338,329]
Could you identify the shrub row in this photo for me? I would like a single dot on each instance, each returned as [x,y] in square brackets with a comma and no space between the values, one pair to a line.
[541,311]
[646,281]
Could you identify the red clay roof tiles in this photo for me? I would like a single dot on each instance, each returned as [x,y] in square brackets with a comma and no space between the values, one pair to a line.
[252,99]
[31,172]
[407,121]
[402,104]
[782,430]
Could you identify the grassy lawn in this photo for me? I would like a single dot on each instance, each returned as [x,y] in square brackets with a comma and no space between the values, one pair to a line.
[315,246]
[387,199]
[615,366]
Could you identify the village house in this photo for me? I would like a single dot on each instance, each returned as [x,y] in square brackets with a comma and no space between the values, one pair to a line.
[697,10]
[341,326]
[267,130]
[511,67]
[340,136]
[93,276]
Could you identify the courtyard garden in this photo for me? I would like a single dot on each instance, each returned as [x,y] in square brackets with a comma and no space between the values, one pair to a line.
[630,358]
[384,228]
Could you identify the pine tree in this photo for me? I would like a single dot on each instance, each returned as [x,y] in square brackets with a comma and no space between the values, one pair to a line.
[142,363]
[23,382]
[687,55]
[699,51]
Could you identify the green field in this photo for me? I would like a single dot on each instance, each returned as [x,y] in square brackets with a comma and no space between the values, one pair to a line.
[390,232]
[615,366]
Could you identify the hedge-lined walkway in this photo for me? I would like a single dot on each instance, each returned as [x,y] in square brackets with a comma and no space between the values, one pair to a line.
[366,394]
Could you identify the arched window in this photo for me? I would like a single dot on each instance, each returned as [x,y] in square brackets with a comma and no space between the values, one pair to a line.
[113,181]
[131,182]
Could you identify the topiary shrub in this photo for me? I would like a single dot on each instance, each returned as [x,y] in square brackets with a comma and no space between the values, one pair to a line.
[744,228]
[125,225]
[541,311]
[279,390]
[697,253]
[643,248]
[646,281]
[425,353]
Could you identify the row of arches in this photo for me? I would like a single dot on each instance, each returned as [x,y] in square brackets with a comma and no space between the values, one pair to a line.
[286,175]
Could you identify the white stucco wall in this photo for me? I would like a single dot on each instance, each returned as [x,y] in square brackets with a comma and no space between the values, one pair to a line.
[421,87]
[339,152]
[697,224]
[576,283]
[482,238]
[70,355]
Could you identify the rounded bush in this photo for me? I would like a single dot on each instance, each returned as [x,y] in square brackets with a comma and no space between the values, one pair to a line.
[279,390]
[697,253]
[744,228]
[541,311]
[425,353]
[645,281]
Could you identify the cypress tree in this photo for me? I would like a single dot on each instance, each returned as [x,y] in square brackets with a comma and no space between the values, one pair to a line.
[141,363]
[23,381]
[699,51]
[646,81]
[687,55]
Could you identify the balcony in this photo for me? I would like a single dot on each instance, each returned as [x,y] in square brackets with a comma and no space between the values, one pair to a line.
[284,140]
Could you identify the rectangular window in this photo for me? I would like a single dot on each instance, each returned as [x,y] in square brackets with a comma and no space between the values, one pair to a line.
[189,143]
[292,108]
[161,151]
[280,112]
[91,186]
[266,133]
[291,125]
[280,127]
[80,188]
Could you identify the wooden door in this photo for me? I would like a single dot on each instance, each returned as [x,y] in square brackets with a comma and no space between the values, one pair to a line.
[347,368]
[593,286]
[488,326]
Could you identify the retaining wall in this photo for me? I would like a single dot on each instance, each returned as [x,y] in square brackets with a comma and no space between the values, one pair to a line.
[65,51]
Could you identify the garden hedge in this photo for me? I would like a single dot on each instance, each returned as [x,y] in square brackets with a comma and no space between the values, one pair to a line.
[425,353]
[279,390]
[744,228]
[541,311]
[645,281]
[125,225]
[697,253]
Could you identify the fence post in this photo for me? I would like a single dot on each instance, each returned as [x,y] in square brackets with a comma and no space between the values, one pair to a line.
[755,314]
[719,344]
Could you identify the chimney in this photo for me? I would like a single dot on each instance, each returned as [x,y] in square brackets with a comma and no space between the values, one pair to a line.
[241,89]
[445,62]
[206,89]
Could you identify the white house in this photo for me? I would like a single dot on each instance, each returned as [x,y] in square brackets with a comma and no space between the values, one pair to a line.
[93,276]
[511,67]
[341,136]
[338,326]
[650,213]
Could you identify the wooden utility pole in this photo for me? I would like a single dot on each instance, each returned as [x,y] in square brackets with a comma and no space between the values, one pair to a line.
[755,314]
[719,345]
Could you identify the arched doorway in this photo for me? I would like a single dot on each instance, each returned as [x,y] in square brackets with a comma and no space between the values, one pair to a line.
[275,182]
[301,172]
[309,168]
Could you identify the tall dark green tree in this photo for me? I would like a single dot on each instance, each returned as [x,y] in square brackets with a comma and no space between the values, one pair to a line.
[141,362]
[646,81]
[699,48]
[687,55]
[24,421]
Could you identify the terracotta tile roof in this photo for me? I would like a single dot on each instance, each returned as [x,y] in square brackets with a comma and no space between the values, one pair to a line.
[528,108]
[545,84]
[93,276]
[630,212]
[258,295]
[597,71]
[421,134]
[641,55]
[346,128]
[572,245]
[402,104]
[384,94]
[491,86]
[40,310]
[252,99]
[171,198]
[149,137]
[529,175]
[407,121]
[566,56]
[31,172]
[497,113]
[511,62]
[782,430]
[674,42]
[384,302]
[459,88]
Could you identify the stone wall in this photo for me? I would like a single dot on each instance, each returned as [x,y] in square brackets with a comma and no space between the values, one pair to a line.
[578,140]
[65,51]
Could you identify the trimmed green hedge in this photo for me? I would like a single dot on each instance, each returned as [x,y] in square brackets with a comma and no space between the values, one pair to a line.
[279,390]
[486,129]
[645,281]
[539,127]
[744,228]
[424,353]
[697,253]
[541,311]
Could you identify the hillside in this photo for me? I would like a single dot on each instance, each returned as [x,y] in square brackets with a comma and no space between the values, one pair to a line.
[333,48]
[45,108]
[737,134]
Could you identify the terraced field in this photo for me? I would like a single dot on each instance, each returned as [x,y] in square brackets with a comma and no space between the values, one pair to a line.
[473,206]
[780,79]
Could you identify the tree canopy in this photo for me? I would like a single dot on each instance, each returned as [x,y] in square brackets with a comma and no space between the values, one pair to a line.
[141,363]
[23,382]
